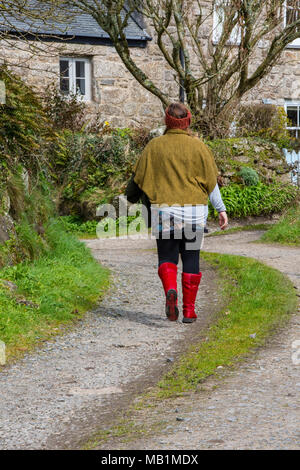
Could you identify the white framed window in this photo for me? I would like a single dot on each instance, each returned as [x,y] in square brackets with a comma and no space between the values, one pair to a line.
[292,109]
[291,14]
[218,24]
[75,77]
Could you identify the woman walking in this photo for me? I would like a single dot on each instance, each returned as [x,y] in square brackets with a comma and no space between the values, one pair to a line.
[177,173]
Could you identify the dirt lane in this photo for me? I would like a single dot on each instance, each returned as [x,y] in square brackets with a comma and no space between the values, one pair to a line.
[56,397]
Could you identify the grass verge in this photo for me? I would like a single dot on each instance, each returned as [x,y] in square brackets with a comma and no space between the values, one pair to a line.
[244,228]
[287,229]
[258,299]
[106,228]
[38,298]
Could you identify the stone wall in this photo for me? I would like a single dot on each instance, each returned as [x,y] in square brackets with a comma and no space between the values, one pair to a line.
[264,157]
[118,97]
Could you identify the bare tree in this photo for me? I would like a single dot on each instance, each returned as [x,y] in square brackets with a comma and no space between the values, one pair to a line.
[220,64]
[218,49]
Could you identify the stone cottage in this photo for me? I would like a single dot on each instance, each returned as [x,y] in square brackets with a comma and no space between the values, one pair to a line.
[80,56]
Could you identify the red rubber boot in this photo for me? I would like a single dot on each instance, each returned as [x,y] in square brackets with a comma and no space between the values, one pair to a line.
[190,284]
[168,275]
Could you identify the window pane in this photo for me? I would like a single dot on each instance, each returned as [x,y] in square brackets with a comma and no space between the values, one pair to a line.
[80,69]
[64,68]
[292,113]
[80,85]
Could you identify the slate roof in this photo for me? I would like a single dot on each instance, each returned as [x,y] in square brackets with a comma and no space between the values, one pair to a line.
[80,25]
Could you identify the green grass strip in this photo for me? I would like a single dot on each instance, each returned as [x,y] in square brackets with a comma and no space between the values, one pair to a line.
[61,286]
[287,229]
[244,228]
[258,300]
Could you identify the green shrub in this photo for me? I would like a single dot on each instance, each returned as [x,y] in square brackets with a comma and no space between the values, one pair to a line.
[243,201]
[26,138]
[91,169]
[266,121]
[25,130]
[15,190]
[255,117]
[249,176]
[31,208]
[74,224]
[64,112]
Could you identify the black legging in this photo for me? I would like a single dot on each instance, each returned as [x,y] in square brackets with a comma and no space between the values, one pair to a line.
[168,252]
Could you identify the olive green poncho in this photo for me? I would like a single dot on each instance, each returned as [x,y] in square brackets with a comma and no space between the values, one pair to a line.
[176,168]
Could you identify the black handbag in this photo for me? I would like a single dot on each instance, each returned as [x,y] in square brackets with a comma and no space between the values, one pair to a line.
[134,194]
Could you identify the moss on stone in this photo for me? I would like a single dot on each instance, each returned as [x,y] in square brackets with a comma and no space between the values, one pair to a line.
[263,156]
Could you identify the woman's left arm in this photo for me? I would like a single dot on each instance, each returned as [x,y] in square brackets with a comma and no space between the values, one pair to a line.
[217,202]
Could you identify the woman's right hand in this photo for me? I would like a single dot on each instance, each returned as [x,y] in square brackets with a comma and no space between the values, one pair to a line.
[223,220]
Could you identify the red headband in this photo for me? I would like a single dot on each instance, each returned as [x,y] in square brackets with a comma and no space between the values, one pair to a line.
[175,123]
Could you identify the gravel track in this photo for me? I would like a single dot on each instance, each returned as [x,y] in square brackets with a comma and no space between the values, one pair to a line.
[57,396]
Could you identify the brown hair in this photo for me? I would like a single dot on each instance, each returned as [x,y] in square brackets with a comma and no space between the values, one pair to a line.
[178,110]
